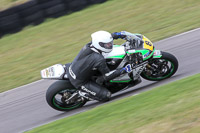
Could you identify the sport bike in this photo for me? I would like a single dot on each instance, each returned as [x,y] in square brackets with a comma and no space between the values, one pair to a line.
[146,61]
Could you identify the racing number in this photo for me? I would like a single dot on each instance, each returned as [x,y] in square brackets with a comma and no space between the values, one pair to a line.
[47,73]
[148,43]
[50,72]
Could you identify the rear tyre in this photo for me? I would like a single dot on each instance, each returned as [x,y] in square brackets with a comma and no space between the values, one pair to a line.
[58,93]
[163,67]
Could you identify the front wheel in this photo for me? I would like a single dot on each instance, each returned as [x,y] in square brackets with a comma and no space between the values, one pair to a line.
[161,68]
[59,93]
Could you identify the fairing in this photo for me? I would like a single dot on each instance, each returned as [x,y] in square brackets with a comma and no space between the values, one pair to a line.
[117,52]
[147,49]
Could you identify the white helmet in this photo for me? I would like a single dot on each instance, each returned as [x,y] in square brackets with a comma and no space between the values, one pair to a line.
[103,41]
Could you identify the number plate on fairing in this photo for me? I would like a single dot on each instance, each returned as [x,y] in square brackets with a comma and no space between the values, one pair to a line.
[53,72]
[147,44]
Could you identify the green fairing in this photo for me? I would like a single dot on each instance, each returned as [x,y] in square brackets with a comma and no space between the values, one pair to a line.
[159,56]
[140,51]
[118,56]
[116,45]
[149,55]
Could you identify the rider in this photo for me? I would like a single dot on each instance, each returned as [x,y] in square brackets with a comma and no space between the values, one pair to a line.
[91,58]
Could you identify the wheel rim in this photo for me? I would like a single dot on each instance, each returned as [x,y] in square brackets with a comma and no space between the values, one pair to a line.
[167,69]
[58,101]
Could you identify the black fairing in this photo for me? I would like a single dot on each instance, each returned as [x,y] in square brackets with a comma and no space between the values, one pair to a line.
[115,87]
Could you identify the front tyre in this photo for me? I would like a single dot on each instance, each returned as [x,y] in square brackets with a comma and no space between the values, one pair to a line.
[161,68]
[59,92]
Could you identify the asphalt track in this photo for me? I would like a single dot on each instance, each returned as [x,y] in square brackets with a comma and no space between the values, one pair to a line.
[24,108]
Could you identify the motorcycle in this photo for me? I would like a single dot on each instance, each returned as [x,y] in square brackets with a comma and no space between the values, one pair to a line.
[146,61]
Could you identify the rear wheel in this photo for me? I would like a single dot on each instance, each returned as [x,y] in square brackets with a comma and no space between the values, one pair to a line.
[161,68]
[59,96]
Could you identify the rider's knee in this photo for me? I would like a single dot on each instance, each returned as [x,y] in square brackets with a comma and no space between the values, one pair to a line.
[104,96]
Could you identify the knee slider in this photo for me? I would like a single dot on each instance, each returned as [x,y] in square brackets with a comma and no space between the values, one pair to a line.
[105,95]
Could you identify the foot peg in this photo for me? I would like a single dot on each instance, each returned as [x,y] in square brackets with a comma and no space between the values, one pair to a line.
[85,95]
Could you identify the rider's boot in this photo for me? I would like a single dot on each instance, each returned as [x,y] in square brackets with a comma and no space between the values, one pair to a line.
[95,92]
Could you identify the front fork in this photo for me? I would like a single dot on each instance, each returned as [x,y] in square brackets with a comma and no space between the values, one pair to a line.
[138,65]
[136,59]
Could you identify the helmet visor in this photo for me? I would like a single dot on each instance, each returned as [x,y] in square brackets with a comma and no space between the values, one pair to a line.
[108,45]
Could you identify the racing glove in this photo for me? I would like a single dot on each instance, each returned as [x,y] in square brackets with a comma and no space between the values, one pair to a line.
[100,80]
[127,69]
[117,35]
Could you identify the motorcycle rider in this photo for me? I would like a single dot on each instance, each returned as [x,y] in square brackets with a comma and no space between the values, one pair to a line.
[91,58]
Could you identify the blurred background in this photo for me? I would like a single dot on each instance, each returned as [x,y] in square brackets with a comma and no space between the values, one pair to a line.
[38,33]
[16,14]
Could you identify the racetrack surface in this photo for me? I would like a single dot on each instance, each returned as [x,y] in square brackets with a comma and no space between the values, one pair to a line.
[25,107]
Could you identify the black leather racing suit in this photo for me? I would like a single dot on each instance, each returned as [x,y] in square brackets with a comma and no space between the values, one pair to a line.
[81,71]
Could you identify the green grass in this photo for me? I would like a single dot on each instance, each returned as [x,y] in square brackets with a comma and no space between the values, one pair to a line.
[172,108]
[4,4]
[24,54]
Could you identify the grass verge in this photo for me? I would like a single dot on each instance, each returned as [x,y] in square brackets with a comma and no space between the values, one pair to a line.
[172,108]
[4,4]
[24,54]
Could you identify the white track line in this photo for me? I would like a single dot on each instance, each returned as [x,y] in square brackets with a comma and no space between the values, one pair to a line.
[181,34]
